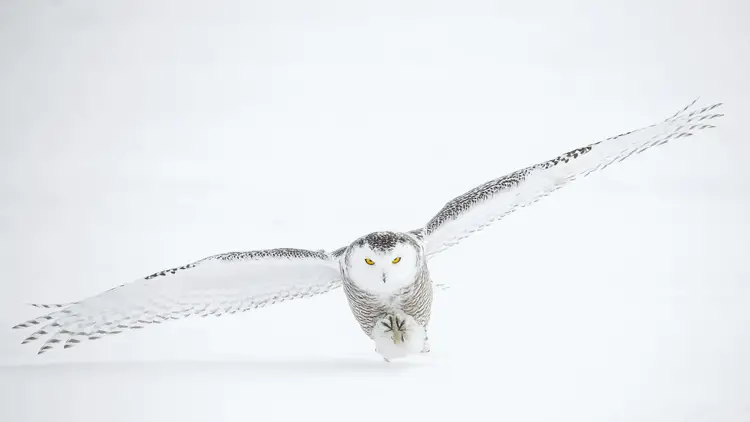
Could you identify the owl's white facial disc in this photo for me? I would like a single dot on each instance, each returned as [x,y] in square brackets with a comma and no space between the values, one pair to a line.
[384,262]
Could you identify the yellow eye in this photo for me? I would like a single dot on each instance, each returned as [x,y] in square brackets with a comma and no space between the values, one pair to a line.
[397,260]
[369,261]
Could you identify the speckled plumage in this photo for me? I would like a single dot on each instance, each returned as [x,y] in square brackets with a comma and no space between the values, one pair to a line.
[239,281]
[383,241]
[415,299]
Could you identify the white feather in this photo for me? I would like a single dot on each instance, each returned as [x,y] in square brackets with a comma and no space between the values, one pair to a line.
[490,202]
[212,286]
[413,338]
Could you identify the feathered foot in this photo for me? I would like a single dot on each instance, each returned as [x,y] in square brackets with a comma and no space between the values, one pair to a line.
[396,326]
[398,335]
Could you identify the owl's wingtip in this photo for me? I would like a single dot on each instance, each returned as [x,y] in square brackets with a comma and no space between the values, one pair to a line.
[48,305]
[29,339]
[43,350]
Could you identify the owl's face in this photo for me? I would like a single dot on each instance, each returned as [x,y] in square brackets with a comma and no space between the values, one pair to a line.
[383,262]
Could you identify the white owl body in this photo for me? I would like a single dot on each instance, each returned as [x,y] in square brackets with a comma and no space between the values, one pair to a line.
[387,284]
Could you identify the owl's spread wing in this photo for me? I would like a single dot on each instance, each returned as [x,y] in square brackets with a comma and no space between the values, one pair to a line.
[487,203]
[216,285]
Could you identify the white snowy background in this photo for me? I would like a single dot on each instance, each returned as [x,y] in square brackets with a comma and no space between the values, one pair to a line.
[140,135]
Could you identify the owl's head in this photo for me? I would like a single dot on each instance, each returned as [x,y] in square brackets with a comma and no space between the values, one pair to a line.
[384,262]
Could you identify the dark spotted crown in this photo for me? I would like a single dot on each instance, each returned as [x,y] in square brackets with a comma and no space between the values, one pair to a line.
[384,241]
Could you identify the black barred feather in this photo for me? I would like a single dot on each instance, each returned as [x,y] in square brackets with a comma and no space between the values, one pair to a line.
[215,286]
[492,201]
[50,305]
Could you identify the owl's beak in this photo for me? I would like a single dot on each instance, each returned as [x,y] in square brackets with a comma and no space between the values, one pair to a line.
[384,277]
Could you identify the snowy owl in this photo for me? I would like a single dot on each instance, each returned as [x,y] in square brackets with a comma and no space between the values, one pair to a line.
[384,275]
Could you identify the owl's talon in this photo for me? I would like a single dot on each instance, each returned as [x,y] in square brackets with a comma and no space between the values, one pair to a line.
[397,326]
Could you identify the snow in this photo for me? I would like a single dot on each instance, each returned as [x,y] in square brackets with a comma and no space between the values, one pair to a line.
[138,136]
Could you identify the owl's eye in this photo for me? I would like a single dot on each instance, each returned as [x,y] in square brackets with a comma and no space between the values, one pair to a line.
[397,260]
[369,261]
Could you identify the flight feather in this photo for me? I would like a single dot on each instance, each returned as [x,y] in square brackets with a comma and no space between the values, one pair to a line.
[217,285]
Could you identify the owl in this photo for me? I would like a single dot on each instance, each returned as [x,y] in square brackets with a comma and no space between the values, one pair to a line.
[384,275]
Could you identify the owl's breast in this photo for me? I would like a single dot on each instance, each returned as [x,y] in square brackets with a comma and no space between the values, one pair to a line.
[414,300]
